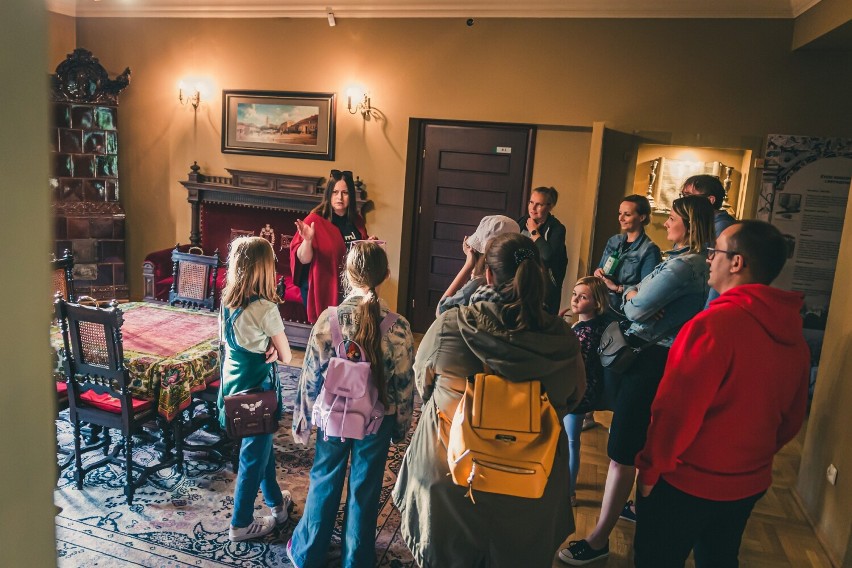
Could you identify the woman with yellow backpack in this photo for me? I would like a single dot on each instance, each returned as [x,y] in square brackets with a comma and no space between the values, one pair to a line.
[498,497]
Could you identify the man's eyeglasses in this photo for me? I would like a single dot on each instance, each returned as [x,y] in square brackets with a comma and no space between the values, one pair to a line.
[711,252]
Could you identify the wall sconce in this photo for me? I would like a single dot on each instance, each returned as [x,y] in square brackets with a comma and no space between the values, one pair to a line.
[193,99]
[363,107]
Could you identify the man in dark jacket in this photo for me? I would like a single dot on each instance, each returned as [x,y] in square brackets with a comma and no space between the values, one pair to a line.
[549,236]
[733,394]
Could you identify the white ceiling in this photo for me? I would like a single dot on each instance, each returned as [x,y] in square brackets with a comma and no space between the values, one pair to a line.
[434,8]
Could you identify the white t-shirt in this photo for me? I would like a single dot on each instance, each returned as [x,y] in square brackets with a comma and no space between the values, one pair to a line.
[258,322]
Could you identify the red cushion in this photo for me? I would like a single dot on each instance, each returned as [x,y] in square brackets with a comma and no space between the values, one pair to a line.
[292,293]
[214,385]
[62,389]
[162,287]
[111,404]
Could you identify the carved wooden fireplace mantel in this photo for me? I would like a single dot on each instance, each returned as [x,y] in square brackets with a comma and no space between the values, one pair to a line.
[255,189]
[247,202]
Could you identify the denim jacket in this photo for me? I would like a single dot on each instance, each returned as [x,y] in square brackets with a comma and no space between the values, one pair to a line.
[637,261]
[398,351]
[678,285]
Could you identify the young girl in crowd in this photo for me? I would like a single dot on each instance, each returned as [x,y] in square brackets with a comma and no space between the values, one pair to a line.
[250,322]
[589,300]
[391,357]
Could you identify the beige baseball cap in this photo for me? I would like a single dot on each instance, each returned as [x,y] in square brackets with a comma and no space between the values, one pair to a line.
[490,227]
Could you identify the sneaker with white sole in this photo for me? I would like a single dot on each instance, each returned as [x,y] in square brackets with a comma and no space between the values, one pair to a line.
[282,512]
[580,553]
[259,528]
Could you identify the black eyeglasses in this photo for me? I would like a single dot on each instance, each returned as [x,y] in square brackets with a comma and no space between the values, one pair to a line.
[711,252]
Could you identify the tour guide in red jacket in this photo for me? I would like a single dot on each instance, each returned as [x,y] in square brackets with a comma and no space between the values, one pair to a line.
[733,394]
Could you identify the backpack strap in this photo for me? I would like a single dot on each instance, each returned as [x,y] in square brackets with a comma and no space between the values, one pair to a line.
[336,335]
[387,323]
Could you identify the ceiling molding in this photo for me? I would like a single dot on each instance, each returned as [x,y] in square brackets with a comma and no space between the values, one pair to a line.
[802,6]
[64,7]
[629,9]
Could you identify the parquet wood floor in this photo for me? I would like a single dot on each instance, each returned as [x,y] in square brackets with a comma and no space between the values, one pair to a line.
[777,536]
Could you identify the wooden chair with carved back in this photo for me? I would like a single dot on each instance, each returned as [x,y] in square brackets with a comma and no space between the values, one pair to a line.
[194,283]
[62,274]
[99,393]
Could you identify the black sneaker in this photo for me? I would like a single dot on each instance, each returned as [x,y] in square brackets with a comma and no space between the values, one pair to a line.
[580,553]
[627,513]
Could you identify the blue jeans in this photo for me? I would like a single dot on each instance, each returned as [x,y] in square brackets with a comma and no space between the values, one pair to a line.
[312,536]
[257,470]
[573,427]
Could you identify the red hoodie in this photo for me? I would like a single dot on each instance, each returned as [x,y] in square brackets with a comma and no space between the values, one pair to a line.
[734,392]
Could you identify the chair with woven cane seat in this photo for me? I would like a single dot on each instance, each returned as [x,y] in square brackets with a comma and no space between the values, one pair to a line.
[63,285]
[194,283]
[63,279]
[99,393]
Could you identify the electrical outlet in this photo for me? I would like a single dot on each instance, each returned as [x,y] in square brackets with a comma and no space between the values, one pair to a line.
[831,474]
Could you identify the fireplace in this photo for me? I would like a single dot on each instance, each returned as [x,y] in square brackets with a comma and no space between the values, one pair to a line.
[246,203]
[88,216]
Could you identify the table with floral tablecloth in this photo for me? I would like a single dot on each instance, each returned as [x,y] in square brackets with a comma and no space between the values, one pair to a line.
[173,349]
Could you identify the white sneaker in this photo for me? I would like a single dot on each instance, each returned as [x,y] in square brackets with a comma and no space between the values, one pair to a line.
[282,512]
[259,527]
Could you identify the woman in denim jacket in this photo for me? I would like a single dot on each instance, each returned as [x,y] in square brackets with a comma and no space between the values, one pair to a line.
[659,305]
[631,255]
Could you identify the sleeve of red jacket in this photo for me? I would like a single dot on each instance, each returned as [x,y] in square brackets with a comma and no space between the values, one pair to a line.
[361,226]
[696,366]
[295,265]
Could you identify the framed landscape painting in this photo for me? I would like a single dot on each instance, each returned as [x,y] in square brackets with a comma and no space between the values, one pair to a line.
[278,123]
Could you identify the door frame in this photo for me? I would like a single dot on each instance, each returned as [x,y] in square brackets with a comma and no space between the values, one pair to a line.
[412,192]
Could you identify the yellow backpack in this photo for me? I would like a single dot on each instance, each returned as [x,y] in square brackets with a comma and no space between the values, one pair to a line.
[503,437]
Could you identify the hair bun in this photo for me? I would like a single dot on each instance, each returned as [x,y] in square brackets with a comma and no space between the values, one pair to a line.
[523,254]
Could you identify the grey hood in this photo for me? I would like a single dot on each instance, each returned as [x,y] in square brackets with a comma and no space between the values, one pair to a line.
[551,354]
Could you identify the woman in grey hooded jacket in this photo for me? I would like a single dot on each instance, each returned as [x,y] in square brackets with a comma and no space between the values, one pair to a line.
[505,328]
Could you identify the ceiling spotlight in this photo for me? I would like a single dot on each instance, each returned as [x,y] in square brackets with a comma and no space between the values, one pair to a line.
[330,14]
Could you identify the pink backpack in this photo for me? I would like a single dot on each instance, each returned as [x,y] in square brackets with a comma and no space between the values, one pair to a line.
[349,405]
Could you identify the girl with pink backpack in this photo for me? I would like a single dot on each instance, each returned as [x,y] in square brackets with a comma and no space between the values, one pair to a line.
[357,413]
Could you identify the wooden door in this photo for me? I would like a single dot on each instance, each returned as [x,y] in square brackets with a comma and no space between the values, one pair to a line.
[466,171]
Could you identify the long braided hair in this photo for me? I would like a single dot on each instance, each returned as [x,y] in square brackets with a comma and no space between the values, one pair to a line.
[366,268]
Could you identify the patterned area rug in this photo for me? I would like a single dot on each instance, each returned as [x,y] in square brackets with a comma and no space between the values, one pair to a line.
[182,520]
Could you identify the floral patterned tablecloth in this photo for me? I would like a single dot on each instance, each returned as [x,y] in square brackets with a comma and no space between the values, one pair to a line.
[174,349]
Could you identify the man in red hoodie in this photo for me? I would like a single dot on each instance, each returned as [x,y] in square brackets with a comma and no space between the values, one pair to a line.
[734,392]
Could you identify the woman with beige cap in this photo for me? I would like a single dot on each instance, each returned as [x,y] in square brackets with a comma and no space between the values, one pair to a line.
[472,274]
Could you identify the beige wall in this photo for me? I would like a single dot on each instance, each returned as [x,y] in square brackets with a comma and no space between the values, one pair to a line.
[719,83]
[823,18]
[62,39]
[27,405]
[829,438]
[635,75]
